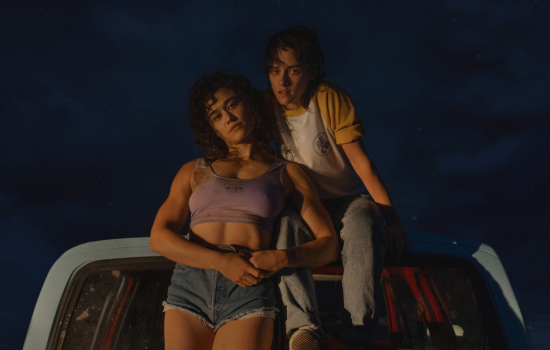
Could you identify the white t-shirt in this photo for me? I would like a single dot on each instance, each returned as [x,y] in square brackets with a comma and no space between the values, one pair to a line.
[313,137]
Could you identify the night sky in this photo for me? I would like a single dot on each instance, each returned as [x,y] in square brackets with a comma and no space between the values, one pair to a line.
[454,95]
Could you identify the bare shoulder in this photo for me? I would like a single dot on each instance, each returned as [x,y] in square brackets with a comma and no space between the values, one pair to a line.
[188,167]
[186,171]
[294,169]
[184,176]
[297,176]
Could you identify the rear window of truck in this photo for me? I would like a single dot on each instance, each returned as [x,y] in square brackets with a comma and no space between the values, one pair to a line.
[117,304]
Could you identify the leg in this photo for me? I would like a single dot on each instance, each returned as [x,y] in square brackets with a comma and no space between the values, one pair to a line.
[296,286]
[183,331]
[255,333]
[360,224]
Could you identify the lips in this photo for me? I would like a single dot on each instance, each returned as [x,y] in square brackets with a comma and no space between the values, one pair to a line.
[234,127]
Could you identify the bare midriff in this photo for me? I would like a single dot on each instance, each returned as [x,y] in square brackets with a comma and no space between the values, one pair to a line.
[238,235]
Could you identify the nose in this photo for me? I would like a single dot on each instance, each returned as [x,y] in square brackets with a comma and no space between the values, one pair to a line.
[231,117]
[285,79]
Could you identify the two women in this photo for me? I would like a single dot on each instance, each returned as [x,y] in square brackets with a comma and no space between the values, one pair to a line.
[222,296]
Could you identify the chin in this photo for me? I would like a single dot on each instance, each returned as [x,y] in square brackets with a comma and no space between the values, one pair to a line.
[284,101]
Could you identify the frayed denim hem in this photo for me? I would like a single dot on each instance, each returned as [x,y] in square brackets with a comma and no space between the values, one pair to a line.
[168,306]
[261,312]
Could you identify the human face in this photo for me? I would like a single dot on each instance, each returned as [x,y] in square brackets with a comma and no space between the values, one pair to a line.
[229,117]
[289,80]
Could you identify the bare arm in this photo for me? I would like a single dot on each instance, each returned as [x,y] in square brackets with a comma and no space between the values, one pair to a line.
[166,240]
[365,168]
[319,252]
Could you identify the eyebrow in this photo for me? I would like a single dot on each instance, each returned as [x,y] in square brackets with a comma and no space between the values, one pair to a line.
[294,66]
[225,103]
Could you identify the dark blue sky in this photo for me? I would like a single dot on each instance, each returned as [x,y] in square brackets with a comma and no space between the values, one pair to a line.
[455,97]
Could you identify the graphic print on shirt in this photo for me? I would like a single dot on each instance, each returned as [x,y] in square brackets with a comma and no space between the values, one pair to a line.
[234,188]
[321,144]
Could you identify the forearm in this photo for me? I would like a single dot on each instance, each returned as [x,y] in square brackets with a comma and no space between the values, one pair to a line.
[374,184]
[366,169]
[316,253]
[324,248]
[175,247]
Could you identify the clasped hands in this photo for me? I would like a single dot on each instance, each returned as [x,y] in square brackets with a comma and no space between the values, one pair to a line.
[248,269]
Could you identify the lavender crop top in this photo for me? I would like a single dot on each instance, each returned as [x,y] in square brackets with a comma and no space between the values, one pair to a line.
[255,201]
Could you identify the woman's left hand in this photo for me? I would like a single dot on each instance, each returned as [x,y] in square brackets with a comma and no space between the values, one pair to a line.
[269,261]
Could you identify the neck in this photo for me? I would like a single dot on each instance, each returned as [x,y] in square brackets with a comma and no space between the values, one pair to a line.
[242,152]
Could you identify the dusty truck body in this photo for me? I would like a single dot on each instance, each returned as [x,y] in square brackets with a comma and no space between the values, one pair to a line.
[446,294]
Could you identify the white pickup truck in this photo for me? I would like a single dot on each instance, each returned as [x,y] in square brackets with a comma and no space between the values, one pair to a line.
[445,294]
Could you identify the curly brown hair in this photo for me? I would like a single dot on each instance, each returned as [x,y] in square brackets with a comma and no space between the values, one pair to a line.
[214,147]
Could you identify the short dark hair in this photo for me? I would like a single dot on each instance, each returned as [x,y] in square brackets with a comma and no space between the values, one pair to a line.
[212,146]
[307,50]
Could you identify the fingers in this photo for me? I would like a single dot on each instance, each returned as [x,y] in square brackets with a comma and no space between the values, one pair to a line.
[253,280]
[267,273]
[255,262]
[255,272]
[261,273]
[250,275]
[241,270]
[256,259]
[269,260]
[248,279]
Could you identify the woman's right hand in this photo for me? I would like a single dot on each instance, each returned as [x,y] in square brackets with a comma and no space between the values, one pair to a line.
[238,269]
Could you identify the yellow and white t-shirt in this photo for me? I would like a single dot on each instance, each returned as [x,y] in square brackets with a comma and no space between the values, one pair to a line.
[312,137]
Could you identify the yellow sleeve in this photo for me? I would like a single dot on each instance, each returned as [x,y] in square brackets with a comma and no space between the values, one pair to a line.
[339,114]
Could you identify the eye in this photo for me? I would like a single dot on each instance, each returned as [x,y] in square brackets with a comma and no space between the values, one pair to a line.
[274,71]
[295,71]
[216,117]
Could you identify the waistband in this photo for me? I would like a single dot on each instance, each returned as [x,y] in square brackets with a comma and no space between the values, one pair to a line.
[230,248]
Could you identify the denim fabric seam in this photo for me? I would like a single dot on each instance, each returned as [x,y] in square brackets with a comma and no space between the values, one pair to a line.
[213,301]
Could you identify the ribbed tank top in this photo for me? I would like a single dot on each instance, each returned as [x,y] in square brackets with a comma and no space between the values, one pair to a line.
[255,201]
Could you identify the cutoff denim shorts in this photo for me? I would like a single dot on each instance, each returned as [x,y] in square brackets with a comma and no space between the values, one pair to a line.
[215,299]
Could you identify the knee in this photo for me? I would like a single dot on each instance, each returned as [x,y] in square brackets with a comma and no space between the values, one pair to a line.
[363,214]
[363,220]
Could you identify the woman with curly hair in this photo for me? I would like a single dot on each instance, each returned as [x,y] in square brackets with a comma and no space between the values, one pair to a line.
[222,296]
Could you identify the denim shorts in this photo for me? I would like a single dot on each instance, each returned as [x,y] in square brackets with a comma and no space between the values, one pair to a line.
[215,299]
